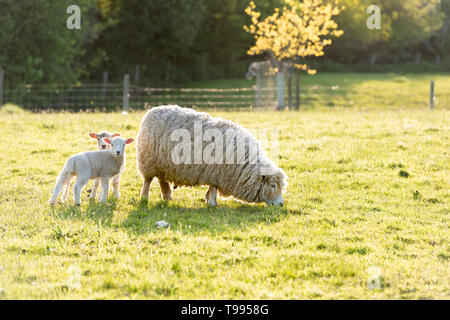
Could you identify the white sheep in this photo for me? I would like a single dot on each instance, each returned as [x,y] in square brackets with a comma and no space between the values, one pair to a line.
[103,164]
[252,177]
[101,146]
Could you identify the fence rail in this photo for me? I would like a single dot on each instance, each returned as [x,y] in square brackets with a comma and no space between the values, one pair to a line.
[113,97]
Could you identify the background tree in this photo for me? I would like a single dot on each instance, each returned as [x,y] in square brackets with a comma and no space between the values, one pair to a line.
[36,46]
[298,30]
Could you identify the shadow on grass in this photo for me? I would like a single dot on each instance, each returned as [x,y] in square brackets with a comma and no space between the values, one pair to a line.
[194,218]
[201,217]
[98,212]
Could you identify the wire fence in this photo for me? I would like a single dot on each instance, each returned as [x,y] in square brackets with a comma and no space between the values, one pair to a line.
[99,97]
[111,97]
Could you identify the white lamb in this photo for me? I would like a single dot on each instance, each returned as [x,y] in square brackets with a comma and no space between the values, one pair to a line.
[101,146]
[103,164]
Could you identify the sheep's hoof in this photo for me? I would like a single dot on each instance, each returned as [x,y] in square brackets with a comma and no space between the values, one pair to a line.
[78,204]
[212,203]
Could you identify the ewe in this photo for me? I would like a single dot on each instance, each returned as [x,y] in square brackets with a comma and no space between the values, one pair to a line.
[103,164]
[250,176]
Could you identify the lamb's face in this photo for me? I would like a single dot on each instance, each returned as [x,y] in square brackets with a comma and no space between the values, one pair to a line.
[273,187]
[117,145]
[99,137]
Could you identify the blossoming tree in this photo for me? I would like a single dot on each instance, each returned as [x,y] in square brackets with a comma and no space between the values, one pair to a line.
[298,30]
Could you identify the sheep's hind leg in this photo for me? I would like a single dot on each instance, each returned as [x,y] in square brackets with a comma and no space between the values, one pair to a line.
[79,185]
[211,196]
[146,187]
[105,188]
[94,189]
[66,188]
[166,190]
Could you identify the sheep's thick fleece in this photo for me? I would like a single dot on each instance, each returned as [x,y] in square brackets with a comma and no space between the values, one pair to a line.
[245,181]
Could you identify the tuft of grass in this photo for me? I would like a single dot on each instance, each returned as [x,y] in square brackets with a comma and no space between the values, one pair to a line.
[11,109]
[344,213]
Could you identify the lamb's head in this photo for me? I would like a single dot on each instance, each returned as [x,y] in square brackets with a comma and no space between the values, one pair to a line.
[273,187]
[99,137]
[117,145]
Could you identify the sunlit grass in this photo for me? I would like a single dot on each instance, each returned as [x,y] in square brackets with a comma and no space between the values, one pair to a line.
[349,210]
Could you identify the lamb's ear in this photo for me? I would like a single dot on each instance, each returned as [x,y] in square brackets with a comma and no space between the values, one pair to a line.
[93,135]
[129,140]
[108,141]
[115,135]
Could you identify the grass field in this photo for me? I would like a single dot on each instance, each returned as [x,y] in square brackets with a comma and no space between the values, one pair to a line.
[360,90]
[367,202]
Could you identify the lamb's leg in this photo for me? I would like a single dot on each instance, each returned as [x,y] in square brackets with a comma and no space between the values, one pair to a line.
[65,192]
[105,188]
[166,190]
[146,187]
[79,185]
[60,183]
[211,196]
[94,189]
[116,186]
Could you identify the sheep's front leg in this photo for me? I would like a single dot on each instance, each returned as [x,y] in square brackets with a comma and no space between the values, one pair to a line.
[146,187]
[79,185]
[105,188]
[166,190]
[116,186]
[211,196]
[94,189]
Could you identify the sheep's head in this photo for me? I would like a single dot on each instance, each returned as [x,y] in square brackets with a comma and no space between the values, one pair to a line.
[273,187]
[117,145]
[99,137]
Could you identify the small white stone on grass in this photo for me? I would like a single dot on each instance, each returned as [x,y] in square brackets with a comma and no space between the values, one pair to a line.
[162,224]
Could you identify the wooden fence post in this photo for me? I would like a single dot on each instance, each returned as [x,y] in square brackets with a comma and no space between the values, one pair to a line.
[280,90]
[297,89]
[136,75]
[432,95]
[126,85]
[105,83]
[1,87]
[290,90]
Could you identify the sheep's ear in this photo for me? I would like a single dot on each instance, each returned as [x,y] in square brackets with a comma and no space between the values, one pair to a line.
[115,135]
[93,135]
[129,140]
[107,140]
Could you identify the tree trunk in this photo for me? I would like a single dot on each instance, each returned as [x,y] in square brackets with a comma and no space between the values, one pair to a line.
[418,56]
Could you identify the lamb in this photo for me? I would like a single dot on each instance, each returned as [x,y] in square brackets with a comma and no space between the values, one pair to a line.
[101,146]
[250,177]
[103,164]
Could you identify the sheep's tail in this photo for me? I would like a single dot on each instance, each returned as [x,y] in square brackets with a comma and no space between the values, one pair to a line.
[63,178]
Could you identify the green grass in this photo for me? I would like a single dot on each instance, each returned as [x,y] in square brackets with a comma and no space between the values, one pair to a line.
[359,90]
[368,190]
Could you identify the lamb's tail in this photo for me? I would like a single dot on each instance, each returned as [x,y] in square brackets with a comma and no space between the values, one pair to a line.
[64,177]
